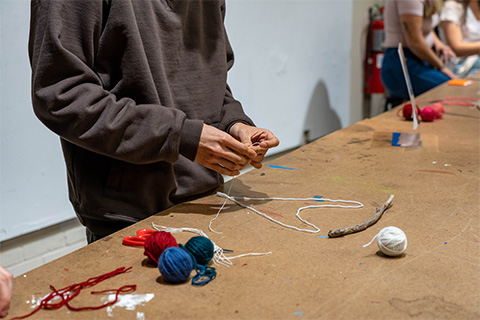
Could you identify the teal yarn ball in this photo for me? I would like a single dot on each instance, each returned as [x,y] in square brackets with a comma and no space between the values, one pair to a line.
[201,248]
[175,265]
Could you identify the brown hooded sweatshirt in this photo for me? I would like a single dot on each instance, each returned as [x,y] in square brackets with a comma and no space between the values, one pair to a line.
[127,85]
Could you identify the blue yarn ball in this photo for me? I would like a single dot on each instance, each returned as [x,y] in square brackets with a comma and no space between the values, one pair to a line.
[201,248]
[175,265]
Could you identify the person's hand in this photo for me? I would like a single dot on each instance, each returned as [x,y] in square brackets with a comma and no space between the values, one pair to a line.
[446,52]
[6,288]
[259,139]
[448,72]
[222,153]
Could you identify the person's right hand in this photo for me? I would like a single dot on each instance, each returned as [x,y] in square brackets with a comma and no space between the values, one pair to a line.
[260,139]
[222,153]
[448,73]
[6,288]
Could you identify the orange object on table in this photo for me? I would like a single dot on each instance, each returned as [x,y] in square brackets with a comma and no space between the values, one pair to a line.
[139,239]
[460,82]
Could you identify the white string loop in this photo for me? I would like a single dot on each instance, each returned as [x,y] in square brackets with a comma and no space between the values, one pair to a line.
[316,229]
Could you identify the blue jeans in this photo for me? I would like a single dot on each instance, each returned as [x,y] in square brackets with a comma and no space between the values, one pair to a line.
[422,75]
[475,68]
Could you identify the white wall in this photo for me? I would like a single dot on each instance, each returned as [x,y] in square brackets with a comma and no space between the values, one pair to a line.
[292,64]
[27,252]
[299,64]
[32,173]
[298,68]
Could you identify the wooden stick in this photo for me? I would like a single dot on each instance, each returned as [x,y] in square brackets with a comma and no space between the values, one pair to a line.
[365,224]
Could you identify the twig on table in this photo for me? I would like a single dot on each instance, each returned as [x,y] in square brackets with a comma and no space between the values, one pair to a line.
[364,225]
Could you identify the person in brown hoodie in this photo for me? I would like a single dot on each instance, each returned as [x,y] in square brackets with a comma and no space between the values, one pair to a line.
[137,92]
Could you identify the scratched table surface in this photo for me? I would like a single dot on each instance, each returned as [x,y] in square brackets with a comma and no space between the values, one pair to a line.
[307,275]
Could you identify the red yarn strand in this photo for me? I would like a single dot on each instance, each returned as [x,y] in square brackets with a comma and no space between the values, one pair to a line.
[453,101]
[124,289]
[68,293]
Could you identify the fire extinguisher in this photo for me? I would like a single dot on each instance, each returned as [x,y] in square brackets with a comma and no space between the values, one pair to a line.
[375,50]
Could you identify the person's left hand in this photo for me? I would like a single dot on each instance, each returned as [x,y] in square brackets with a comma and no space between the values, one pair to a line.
[257,138]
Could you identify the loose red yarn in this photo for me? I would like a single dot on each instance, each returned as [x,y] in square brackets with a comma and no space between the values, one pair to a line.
[68,293]
[156,243]
[453,101]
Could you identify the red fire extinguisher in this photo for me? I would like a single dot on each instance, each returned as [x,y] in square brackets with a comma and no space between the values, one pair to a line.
[375,49]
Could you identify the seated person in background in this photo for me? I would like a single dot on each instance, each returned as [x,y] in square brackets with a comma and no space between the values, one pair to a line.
[460,23]
[411,22]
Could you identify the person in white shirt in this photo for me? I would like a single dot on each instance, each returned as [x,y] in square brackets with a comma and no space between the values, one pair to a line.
[460,23]
[412,23]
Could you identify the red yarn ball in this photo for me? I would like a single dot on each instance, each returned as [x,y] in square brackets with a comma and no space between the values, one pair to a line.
[427,114]
[156,243]
[439,110]
[407,111]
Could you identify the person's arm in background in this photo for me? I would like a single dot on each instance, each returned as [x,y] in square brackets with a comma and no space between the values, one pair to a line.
[415,41]
[454,38]
[6,288]
[442,49]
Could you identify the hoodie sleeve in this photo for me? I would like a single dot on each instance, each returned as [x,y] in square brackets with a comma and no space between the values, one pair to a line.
[68,95]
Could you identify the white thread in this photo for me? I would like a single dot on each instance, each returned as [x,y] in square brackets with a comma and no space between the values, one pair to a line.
[218,213]
[250,254]
[317,229]
[219,257]
[392,241]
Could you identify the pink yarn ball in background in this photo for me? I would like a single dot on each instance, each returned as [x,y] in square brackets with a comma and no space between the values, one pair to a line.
[438,109]
[427,114]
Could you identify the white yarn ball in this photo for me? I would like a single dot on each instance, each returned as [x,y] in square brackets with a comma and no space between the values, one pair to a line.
[392,241]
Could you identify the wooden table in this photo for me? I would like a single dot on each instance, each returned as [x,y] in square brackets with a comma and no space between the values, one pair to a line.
[474,76]
[437,204]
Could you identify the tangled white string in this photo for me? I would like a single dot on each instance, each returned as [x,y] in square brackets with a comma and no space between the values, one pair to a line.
[316,229]
[219,257]
[392,241]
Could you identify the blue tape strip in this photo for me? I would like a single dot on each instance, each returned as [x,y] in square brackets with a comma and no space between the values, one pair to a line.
[280,167]
[395,138]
